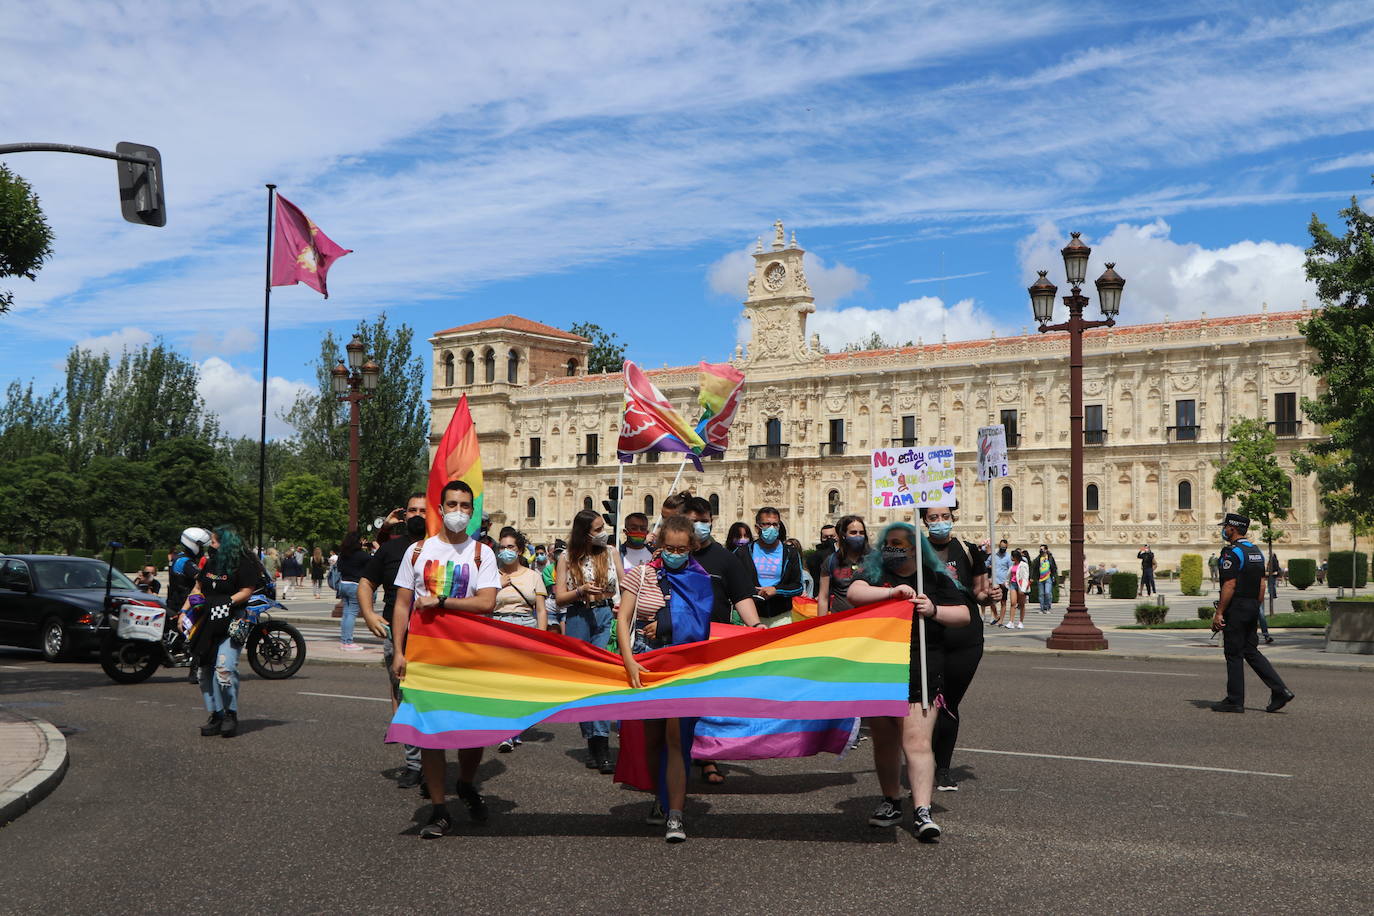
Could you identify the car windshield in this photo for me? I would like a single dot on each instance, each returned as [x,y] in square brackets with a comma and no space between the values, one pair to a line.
[68,573]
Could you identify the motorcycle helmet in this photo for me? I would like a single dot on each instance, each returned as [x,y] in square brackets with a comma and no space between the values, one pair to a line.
[195,539]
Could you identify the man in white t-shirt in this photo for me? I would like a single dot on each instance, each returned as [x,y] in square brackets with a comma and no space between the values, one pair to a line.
[633,550]
[448,572]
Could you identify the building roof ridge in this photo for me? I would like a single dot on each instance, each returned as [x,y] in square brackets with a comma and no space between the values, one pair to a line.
[514,323]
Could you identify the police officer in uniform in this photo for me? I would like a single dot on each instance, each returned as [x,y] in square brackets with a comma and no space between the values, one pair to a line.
[1241,568]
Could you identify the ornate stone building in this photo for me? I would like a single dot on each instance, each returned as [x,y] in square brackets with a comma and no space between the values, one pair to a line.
[1157,401]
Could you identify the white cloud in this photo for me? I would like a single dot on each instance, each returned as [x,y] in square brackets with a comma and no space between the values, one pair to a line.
[116,342]
[236,397]
[1178,279]
[729,276]
[924,319]
[1355,160]
[235,339]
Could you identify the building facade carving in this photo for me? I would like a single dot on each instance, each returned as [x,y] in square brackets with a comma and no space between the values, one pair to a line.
[1161,397]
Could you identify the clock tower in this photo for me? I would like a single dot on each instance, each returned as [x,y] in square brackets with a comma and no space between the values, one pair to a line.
[777,305]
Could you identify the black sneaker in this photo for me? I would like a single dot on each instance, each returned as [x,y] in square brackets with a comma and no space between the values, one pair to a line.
[887,814]
[477,808]
[212,725]
[439,824]
[945,782]
[1279,699]
[1228,706]
[505,747]
[409,779]
[656,817]
[927,831]
[230,727]
[673,831]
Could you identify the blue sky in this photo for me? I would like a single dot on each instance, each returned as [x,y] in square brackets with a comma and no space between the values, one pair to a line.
[613,162]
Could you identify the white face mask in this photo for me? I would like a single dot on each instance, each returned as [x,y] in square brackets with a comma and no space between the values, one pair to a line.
[457,522]
[601,538]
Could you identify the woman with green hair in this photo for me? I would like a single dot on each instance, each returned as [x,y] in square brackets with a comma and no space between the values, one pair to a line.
[227,581]
[890,573]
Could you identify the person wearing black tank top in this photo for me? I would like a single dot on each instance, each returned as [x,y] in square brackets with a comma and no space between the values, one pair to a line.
[890,573]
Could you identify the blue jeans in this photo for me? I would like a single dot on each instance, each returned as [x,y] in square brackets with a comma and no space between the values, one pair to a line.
[593,625]
[348,591]
[1046,596]
[220,687]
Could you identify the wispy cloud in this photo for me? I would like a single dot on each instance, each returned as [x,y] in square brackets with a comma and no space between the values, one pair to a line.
[1353,161]
[981,273]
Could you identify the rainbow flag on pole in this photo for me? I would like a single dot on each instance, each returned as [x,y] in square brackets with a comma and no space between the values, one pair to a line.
[457,458]
[472,681]
[721,384]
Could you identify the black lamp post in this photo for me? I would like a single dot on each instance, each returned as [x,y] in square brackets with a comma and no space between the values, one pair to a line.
[354,383]
[1077,630]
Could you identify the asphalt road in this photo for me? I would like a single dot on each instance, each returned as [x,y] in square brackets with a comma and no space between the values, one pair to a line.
[298,815]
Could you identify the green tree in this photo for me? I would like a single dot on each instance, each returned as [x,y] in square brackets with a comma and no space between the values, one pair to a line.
[25,238]
[122,500]
[608,351]
[39,503]
[30,424]
[153,396]
[1250,474]
[393,452]
[196,489]
[1341,333]
[311,510]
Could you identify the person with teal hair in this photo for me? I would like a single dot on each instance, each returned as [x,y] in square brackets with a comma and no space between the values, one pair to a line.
[227,581]
[889,573]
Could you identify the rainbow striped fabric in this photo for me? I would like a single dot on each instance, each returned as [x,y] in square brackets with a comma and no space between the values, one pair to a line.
[472,681]
[457,458]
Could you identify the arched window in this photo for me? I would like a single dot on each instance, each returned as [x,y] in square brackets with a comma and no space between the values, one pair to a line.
[530,507]
[586,502]
[513,367]
[489,362]
[1007,502]
[448,370]
[469,368]
[832,502]
[715,504]
[572,367]
[1090,501]
[1185,496]
[649,506]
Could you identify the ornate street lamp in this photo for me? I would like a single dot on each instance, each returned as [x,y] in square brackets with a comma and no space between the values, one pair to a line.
[1077,630]
[354,383]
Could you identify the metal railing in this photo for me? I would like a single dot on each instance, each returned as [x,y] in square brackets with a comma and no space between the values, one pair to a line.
[1188,433]
[1094,437]
[588,459]
[772,450]
[1285,427]
[530,461]
[830,449]
[904,442]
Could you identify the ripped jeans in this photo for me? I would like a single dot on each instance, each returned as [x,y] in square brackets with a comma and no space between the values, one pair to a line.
[220,686]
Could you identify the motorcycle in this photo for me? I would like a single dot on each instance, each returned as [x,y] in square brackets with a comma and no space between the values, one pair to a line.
[136,641]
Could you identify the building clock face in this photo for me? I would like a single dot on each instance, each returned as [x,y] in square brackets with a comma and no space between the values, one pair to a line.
[773,276]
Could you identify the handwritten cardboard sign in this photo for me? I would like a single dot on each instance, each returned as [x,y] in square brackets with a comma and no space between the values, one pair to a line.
[913,477]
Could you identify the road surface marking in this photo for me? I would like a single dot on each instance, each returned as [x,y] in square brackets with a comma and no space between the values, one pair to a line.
[1110,671]
[1134,763]
[14,667]
[342,696]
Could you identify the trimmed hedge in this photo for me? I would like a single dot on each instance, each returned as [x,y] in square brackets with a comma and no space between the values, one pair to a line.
[1205,613]
[1190,574]
[1338,569]
[1310,605]
[1148,613]
[1124,585]
[1302,573]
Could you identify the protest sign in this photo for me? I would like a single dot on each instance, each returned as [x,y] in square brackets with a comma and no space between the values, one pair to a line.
[913,477]
[992,452]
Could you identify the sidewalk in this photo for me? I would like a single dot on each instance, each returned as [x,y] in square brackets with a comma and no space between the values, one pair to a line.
[33,760]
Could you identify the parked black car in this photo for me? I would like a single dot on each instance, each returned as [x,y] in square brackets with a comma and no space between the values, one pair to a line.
[55,603]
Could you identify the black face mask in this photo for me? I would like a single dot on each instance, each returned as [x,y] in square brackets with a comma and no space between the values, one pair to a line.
[415,526]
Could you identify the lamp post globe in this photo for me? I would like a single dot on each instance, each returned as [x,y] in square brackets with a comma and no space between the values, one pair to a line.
[355,349]
[1076,256]
[371,373]
[1109,287]
[1042,293]
[339,378]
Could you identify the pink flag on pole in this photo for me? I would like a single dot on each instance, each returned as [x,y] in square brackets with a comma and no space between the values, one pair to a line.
[301,253]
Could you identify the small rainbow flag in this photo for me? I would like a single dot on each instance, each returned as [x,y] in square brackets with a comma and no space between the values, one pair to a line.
[721,384]
[457,458]
[472,681]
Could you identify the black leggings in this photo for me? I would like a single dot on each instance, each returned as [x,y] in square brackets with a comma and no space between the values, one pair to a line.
[960,666]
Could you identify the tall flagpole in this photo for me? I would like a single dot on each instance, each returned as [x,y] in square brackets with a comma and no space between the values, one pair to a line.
[266,322]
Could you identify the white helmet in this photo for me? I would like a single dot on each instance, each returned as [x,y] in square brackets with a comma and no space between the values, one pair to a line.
[195,539]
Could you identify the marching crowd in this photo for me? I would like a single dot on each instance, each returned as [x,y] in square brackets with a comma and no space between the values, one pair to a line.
[611,595]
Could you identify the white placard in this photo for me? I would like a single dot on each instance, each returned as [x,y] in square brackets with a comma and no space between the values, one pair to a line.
[913,477]
[992,452]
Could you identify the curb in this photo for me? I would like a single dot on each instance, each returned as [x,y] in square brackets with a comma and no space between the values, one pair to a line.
[35,786]
[1169,657]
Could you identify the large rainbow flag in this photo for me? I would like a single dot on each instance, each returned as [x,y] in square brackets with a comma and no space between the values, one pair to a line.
[472,681]
[457,458]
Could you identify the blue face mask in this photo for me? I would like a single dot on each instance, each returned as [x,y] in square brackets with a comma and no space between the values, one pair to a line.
[769,534]
[855,541]
[702,529]
[940,530]
[674,560]
[506,556]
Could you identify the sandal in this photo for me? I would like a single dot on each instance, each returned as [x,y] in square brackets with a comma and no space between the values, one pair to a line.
[711,774]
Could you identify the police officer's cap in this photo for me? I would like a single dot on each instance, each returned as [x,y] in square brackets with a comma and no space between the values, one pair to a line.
[1237,521]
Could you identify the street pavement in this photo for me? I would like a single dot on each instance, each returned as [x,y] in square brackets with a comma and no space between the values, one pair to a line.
[1089,784]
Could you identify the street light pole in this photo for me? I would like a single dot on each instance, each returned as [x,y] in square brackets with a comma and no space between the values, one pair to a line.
[354,383]
[1077,630]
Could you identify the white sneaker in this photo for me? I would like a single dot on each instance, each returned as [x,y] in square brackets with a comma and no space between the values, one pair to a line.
[674,832]
[1009,625]
[1020,624]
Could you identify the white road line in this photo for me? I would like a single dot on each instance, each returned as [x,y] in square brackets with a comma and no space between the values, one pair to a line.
[342,696]
[1110,671]
[14,667]
[1134,763]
